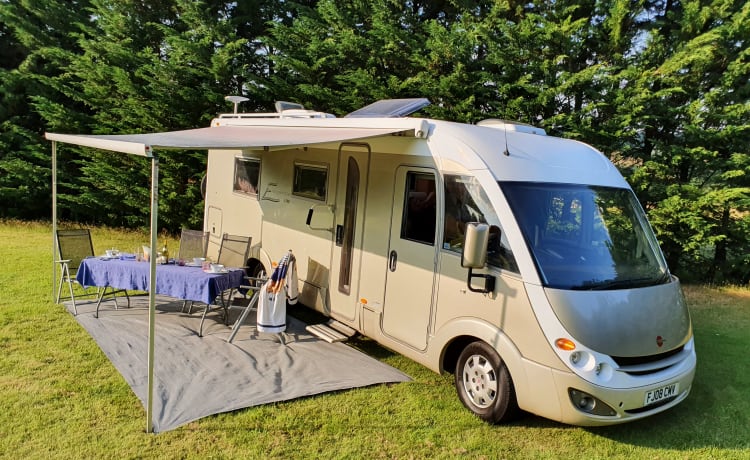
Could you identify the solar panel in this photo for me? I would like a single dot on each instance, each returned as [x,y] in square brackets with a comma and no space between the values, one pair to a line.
[390,108]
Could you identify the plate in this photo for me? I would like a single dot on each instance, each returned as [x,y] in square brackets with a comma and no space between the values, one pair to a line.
[658,394]
[106,257]
[192,264]
[216,272]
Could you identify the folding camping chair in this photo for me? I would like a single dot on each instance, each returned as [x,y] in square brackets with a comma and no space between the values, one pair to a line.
[72,247]
[193,244]
[245,303]
[233,252]
[270,297]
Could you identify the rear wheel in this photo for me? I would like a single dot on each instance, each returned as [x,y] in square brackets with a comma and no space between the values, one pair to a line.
[255,269]
[484,385]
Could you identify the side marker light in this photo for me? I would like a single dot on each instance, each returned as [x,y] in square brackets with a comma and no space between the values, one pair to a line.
[565,344]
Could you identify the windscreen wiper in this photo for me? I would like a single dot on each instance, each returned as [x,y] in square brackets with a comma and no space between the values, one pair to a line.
[621,284]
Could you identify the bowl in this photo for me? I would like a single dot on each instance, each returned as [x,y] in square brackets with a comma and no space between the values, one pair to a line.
[216,268]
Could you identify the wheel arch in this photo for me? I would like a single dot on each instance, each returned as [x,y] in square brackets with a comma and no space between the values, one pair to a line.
[259,260]
[452,338]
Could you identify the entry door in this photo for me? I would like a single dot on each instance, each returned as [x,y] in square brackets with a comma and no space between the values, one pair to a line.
[412,258]
[349,219]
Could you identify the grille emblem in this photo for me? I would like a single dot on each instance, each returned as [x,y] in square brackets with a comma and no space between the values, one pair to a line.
[659,341]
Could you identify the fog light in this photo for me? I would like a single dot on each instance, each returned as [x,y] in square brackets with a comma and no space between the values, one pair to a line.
[589,404]
[586,403]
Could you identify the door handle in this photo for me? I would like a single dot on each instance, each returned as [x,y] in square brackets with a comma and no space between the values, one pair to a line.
[339,235]
[392,259]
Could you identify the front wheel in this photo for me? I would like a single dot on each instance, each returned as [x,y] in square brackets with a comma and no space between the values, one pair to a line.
[484,385]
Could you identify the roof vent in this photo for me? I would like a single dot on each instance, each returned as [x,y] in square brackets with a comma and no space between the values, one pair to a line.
[283,105]
[512,126]
[390,108]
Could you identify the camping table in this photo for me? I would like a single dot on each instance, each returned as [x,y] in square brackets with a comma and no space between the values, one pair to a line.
[181,282]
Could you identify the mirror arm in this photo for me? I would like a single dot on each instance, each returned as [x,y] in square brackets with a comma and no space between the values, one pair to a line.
[489,282]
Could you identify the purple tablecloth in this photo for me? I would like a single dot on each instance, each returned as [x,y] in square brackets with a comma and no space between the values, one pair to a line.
[189,283]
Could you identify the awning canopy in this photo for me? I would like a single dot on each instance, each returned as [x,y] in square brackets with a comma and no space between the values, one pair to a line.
[294,133]
[221,137]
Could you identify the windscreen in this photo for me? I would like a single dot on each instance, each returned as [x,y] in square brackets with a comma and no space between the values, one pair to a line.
[586,237]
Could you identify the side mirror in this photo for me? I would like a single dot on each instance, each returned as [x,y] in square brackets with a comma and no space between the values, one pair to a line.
[476,240]
[474,255]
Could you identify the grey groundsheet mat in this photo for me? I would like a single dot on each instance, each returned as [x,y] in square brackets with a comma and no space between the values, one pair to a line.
[199,376]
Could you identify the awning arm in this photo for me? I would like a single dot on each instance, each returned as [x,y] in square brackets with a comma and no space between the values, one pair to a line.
[102,142]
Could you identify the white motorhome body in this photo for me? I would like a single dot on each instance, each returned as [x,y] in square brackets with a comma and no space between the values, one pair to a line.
[573,316]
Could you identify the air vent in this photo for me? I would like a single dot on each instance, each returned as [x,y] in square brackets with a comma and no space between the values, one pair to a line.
[639,360]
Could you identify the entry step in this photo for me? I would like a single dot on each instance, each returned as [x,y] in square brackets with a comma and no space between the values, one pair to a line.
[333,331]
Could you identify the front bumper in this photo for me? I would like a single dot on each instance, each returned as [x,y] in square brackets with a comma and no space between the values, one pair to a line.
[628,404]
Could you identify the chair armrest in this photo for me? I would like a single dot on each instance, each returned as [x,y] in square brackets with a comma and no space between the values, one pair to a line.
[253,283]
[252,278]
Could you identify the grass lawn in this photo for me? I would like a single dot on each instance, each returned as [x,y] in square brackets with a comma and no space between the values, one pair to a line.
[62,398]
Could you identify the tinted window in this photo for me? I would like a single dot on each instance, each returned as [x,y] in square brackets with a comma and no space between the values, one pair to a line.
[246,175]
[418,223]
[310,181]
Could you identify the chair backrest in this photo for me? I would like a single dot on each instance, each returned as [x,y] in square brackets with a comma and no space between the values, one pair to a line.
[193,243]
[74,245]
[234,250]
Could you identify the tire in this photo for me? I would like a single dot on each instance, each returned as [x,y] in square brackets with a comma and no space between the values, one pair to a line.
[484,384]
[258,271]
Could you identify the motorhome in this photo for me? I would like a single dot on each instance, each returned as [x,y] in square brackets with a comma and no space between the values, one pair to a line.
[521,263]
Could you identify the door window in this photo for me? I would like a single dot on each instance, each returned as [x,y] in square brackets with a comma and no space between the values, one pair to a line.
[418,223]
[350,220]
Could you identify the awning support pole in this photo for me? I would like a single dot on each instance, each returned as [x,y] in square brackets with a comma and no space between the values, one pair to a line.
[152,292]
[54,217]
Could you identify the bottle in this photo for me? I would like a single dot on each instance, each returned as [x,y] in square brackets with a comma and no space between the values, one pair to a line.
[165,253]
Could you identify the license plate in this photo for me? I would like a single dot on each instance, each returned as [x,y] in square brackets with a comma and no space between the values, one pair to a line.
[659,394]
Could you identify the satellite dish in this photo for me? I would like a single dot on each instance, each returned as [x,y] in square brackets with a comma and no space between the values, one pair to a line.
[236,100]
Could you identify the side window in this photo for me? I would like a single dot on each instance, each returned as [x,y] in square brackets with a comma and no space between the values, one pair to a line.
[246,175]
[418,223]
[466,201]
[310,181]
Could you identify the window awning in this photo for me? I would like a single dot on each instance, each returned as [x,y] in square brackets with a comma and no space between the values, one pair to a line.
[222,137]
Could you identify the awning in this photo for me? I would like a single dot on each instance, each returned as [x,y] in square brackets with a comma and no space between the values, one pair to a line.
[221,137]
[284,133]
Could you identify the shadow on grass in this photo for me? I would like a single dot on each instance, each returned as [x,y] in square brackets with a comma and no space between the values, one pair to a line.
[715,414]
